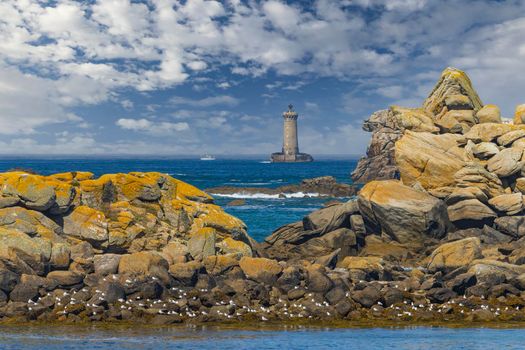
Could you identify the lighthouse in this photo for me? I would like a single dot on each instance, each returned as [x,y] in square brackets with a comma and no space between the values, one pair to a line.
[290,151]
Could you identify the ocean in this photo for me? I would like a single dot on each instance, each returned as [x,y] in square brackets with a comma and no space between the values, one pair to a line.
[411,338]
[261,213]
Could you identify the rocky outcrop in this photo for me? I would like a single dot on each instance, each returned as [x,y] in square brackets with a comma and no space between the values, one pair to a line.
[453,91]
[379,162]
[68,231]
[324,186]
[449,231]
[451,107]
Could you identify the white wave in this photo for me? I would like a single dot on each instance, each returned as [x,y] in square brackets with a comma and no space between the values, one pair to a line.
[244,195]
[265,162]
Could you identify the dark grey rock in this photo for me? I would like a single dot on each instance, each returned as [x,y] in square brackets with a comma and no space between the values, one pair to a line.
[24,292]
[367,296]
[106,264]
[8,280]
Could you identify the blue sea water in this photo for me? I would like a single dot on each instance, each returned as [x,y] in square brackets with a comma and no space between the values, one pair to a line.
[261,215]
[413,338]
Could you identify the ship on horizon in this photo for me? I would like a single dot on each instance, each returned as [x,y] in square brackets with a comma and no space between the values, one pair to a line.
[207,156]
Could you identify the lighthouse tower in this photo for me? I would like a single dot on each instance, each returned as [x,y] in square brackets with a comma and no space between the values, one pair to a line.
[290,151]
[290,142]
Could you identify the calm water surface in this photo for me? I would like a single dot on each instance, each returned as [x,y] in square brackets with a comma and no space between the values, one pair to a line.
[417,338]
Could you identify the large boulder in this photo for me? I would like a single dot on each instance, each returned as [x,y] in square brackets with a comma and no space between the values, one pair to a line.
[519,114]
[431,160]
[455,254]
[509,204]
[475,175]
[261,269]
[330,218]
[28,254]
[513,226]
[485,150]
[470,210]
[87,224]
[507,139]
[202,243]
[487,132]
[484,268]
[453,83]
[320,233]
[506,163]
[32,190]
[144,264]
[405,214]
[489,114]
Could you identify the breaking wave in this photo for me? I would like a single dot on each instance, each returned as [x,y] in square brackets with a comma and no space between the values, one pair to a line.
[244,195]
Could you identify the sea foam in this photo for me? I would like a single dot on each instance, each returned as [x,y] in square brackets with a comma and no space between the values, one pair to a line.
[244,195]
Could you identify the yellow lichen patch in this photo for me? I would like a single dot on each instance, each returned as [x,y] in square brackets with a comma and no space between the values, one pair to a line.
[120,205]
[214,216]
[138,185]
[64,195]
[124,237]
[94,185]
[187,191]
[124,219]
[21,183]
[33,190]
[86,223]
[230,245]
[183,204]
[85,213]
[37,248]
[72,175]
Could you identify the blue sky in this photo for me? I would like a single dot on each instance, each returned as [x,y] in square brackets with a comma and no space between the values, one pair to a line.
[169,77]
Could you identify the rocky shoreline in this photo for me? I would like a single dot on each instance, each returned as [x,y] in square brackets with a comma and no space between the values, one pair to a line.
[443,244]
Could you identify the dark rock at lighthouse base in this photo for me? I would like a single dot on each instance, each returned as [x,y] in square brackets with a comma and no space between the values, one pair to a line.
[280,157]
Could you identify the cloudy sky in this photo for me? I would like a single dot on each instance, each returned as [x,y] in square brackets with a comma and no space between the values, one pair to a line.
[171,77]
